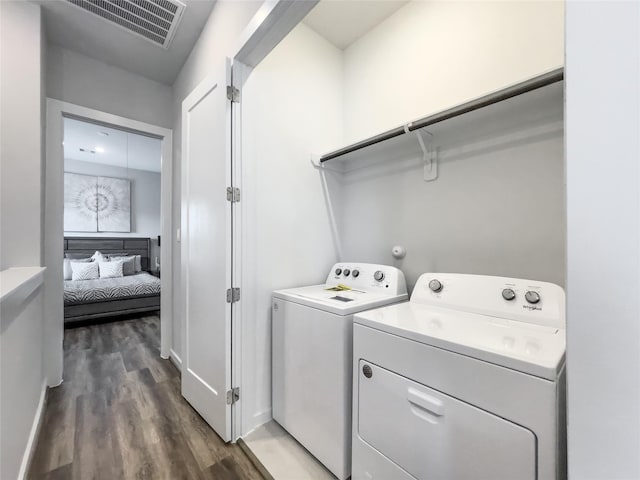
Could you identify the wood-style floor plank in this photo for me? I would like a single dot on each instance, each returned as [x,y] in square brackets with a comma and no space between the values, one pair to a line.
[94,454]
[59,423]
[119,414]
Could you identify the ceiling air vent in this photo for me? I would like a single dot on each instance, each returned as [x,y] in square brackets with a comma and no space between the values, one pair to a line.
[154,20]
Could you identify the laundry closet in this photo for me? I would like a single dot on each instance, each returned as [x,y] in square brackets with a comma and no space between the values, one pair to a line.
[479,193]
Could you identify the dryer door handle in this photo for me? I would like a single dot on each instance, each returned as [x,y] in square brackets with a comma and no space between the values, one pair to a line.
[425,402]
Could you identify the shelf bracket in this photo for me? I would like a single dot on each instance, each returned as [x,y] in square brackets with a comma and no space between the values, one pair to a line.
[315,160]
[429,154]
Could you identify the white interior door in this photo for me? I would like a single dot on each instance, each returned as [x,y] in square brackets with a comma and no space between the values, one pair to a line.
[206,250]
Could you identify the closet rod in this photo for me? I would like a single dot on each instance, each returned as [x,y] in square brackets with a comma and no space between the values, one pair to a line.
[381,137]
[534,83]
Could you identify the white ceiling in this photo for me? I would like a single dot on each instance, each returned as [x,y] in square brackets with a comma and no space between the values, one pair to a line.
[120,148]
[76,29]
[343,22]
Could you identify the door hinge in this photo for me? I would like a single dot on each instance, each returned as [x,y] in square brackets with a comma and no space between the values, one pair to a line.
[233,94]
[233,295]
[233,395]
[233,194]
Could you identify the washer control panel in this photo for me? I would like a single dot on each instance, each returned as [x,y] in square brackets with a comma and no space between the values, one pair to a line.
[508,294]
[368,277]
[529,301]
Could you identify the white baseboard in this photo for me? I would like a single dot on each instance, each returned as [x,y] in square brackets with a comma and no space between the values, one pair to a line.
[261,418]
[55,383]
[175,359]
[33,435]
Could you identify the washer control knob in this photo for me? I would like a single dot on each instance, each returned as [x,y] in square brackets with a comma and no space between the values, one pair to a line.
[508,294]
[338,271]
[378,276]
[435,285]
[532,297]
[355,273]
[346,272]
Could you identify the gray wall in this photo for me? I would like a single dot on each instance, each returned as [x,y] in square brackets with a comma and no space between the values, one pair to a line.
[21,151]
[603,220]
[497,207]
[145,199]
[76,78]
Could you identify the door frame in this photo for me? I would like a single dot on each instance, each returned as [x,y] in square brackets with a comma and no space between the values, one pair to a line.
[54,225]
[272,22]
[270,25]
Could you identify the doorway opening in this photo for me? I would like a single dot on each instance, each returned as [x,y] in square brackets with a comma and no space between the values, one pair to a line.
[112,223]
[108,204]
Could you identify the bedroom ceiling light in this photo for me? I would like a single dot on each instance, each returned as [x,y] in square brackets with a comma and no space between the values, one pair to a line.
[153,20]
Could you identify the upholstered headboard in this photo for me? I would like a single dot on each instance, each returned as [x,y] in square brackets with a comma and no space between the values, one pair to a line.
[109,246]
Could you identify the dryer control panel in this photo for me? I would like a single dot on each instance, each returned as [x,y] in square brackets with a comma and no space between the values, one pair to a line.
[529,301]
[368,277]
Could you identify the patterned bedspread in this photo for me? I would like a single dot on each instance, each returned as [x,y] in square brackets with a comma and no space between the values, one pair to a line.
[84,291]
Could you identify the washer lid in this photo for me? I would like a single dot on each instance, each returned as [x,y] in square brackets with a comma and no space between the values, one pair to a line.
[346,302]
[534,349]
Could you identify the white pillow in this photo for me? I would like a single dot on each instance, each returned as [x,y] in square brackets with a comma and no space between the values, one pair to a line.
[128,264]
[84,271]
[66,266]
[111,269]
[99,257]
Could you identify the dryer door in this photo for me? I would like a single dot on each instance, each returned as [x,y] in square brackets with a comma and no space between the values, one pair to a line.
[433,436]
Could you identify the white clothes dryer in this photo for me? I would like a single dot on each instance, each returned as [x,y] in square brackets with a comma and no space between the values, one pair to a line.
[463,382]
[312,356]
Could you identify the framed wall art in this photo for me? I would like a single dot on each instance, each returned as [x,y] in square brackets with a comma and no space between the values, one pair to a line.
[96,204]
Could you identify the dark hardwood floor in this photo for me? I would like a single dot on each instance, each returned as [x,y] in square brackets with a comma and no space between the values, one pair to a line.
[119,414]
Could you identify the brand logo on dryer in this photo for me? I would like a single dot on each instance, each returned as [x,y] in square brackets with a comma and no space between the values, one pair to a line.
[531,307]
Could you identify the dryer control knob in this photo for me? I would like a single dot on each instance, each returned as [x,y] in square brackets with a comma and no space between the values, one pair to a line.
[378,276]
[355,273]
[436,285]
[532,297]
[338,271]
[346,272]
[508,294]
[366,370]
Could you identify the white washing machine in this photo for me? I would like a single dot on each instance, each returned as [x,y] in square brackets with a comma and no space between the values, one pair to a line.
[312,356]
[463,382]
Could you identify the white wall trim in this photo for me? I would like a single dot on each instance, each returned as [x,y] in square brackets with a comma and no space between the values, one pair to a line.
[239,73]
[269,26]
[271,23]
[33,434]
[263,417]
[54,233]
[175,359]
[18,283]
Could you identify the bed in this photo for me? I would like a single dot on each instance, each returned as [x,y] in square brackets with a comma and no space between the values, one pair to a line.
[106,297]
